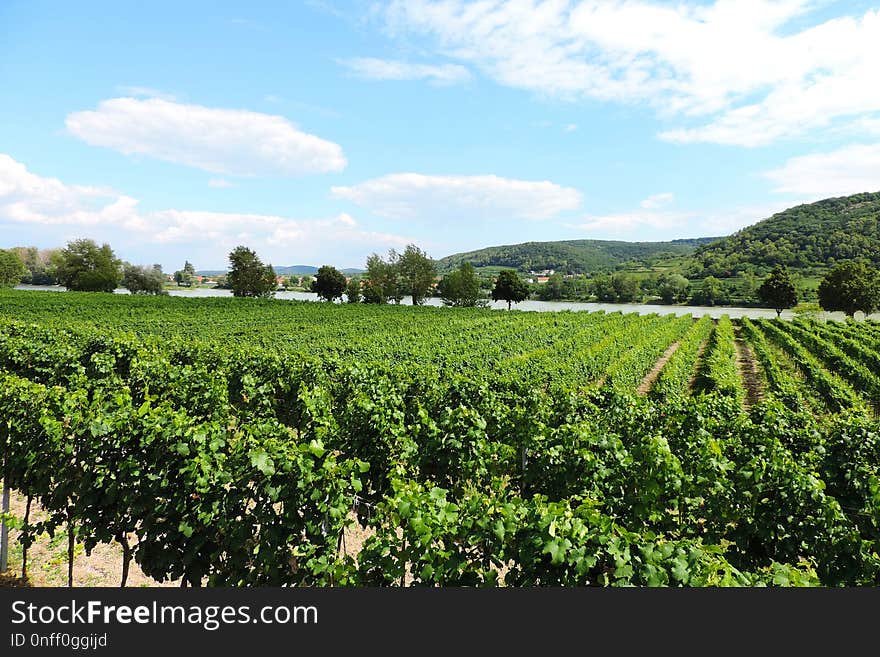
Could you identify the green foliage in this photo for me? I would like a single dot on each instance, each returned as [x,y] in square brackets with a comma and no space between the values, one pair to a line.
[185,277]
[509,287]
[383,279]
[329,283]
[248,276]
[573,256]
[417,272]
[673,288]
[353,290]
[38,263]
[719,372]
[143,280]
[475,448]
[83,266]
[807,237]
[553,289]
[710,292]
[461,287]
[12,269]
[850,287]
[778,290]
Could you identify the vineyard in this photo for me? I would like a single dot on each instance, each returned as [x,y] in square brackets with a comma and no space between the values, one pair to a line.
[237,442]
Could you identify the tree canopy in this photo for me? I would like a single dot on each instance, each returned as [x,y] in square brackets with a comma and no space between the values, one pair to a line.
[461,287]
[185,276]
[329,283]
[383,282]
[673,288]
[850,287]
[83,266]
[509,287]
[417,271]
[248,276]
[778,290]
[353,290]
[139,279]
[12,269]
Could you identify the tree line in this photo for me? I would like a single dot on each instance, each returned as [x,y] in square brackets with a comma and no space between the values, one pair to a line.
[82,265]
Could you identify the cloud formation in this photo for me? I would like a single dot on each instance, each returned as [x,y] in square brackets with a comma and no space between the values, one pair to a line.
[459,198]
[848,170]
[743,72]
[372,68]
[27,198]
[657,200]
[224,141]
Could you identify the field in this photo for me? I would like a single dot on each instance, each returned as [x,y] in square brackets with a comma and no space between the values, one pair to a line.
[240,442]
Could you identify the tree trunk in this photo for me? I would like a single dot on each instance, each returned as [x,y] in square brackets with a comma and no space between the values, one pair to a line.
[70,545]
[508,304]
[25,530]
[122,539]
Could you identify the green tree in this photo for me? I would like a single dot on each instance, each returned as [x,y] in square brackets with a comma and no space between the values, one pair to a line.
[248,276]
[509,287]
[38,263]
[83,266]
[185,277]
[383,278]
[710,293]
[417,272]
[12,269]
[626,287]
[329,283]
[673,288]
[553,289]
[778,291]
[370,293]
[353,290]
[603,289]
[143,280]
[461,287]
[849,287]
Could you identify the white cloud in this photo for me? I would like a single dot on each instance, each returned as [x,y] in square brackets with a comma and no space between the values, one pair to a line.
[144,92]
[849,170]
[649,224]
[624,223]
[657,200]
[29,199]
[225,141]
[744,68]
[459,198]
[220,183]
[571,127]
[387,69]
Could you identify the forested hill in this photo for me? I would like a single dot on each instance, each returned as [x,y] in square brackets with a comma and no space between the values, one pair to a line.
[807,237]
[574,256]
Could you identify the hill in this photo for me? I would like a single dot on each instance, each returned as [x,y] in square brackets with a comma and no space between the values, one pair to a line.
[575,256]
[809,238]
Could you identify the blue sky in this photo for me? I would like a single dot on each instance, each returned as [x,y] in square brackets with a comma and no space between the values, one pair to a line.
[319,132]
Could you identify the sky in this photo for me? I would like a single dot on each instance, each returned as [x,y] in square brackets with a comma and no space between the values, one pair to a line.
[319,132]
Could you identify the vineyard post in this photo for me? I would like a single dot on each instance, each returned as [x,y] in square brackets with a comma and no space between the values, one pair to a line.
[4,529]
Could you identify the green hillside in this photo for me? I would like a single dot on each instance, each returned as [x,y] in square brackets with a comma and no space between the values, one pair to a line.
[809,238]
[575,256]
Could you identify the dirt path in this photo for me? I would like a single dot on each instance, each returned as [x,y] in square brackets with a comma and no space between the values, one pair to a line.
[47,558]
[748,372]
[648,381]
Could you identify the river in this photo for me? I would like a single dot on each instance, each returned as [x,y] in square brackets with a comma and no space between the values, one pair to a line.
[529,305]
